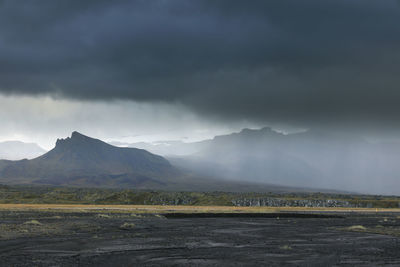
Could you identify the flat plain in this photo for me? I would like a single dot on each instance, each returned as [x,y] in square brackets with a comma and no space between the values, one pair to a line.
[128,235]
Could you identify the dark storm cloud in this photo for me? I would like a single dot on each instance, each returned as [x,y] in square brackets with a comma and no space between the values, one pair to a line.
[270,60]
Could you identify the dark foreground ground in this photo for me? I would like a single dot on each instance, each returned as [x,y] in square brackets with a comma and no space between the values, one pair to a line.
[123,239]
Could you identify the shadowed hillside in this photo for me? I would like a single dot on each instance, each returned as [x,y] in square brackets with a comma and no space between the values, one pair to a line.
[81,160]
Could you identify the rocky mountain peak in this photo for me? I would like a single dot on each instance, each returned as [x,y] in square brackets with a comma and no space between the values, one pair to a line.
[77,139]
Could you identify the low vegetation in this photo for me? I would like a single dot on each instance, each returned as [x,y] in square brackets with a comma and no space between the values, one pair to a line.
[64,195]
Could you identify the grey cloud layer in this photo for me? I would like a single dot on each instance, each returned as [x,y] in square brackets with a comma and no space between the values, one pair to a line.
[301,61]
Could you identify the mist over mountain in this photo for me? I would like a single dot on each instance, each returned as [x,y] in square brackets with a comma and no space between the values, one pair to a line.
[16,150]
[262,160]
[83,161]
[309,159]
[166,148]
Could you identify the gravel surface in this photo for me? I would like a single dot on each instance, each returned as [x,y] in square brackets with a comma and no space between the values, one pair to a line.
[121,239]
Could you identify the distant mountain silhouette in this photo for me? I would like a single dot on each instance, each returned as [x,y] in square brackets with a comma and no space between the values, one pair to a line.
[309,159]
[16,150]
[165,147]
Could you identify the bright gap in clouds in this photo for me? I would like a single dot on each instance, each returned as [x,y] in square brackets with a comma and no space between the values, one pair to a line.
[43,119]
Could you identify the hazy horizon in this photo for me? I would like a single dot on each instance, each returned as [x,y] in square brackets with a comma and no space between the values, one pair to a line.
[313,159]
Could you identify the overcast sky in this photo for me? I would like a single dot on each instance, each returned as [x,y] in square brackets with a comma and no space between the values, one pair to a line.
[155,69]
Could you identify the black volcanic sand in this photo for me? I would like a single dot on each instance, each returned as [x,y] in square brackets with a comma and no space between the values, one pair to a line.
[118,239]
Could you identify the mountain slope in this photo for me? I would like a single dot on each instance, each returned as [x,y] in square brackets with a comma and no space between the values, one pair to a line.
[82,160]
[16,150]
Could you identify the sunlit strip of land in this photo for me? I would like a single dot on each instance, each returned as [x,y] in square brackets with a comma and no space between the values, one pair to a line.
[181,209]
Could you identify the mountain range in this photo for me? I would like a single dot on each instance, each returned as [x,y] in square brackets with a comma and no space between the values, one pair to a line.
[15,150]
[315,158]
[165,148]
[83,161]
[250,160]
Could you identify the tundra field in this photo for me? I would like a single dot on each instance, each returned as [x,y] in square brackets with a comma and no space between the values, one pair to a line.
[157,235]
